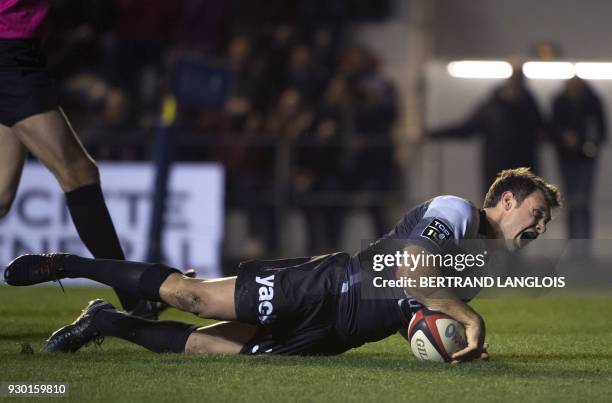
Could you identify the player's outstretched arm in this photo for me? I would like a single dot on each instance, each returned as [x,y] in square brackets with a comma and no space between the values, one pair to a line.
[445,301]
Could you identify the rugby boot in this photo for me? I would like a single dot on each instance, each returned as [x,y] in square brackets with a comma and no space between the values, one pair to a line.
[70,338]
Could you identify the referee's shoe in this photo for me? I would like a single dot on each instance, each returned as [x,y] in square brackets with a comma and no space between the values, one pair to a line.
[35,269]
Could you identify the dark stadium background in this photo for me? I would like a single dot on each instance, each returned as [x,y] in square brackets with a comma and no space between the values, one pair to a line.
[320,113]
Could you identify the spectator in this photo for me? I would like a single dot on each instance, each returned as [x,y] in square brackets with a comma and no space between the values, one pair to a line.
[325,49]
[511,125]
[372,152]
[322,165]
[578,129]
[290,118]
[304,75]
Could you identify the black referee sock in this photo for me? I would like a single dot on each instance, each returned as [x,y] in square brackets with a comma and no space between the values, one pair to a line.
[164,336]
[93,222]
[139,280]
[95,228]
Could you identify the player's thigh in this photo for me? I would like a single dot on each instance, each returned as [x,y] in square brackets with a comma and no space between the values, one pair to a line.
[51,139]
[220,338]
[210,299]
[12,157]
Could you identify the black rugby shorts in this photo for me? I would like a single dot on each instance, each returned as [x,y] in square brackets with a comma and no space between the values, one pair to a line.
[293,302]
[26,88]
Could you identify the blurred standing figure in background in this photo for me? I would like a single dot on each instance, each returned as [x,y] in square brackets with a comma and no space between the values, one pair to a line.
[511,125]
[578,129]
[31,120]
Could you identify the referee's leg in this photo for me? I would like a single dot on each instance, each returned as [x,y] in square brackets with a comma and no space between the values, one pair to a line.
[51,139]
[12,156]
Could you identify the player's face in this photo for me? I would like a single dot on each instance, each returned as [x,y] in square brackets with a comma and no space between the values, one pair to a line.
[525,222]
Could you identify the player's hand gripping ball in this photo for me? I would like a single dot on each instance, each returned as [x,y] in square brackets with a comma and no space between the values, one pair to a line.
[435,336]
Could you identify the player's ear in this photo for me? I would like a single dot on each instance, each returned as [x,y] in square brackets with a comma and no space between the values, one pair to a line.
[507,200]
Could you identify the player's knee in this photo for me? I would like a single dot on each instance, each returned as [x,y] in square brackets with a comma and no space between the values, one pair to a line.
[192,301]
[197,343]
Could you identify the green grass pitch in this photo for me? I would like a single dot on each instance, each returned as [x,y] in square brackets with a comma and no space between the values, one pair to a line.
[542,350]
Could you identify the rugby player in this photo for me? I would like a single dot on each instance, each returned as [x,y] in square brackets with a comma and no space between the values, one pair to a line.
[32,120]
[302,306]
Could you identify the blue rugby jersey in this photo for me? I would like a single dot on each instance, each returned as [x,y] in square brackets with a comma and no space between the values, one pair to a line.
[366,315]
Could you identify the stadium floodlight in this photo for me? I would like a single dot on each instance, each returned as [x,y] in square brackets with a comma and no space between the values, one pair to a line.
[594,71]
[479,69]
[549,70]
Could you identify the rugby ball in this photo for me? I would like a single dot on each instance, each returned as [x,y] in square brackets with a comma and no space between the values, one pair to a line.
[435,336]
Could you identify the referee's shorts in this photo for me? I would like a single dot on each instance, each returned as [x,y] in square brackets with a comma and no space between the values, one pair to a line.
[26,88]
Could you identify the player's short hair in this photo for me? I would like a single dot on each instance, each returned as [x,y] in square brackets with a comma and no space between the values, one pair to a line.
[521,182]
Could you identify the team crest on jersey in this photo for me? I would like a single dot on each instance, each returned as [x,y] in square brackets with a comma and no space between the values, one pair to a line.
[438,232]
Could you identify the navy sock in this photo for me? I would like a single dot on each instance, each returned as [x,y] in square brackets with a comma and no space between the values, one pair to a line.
[162,336]
[139,280]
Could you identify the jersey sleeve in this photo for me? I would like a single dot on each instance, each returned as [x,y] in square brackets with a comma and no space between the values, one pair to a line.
[445,221]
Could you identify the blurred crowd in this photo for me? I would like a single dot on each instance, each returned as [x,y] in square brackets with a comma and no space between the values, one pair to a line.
[298,112]
[286,93]
[310,99]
